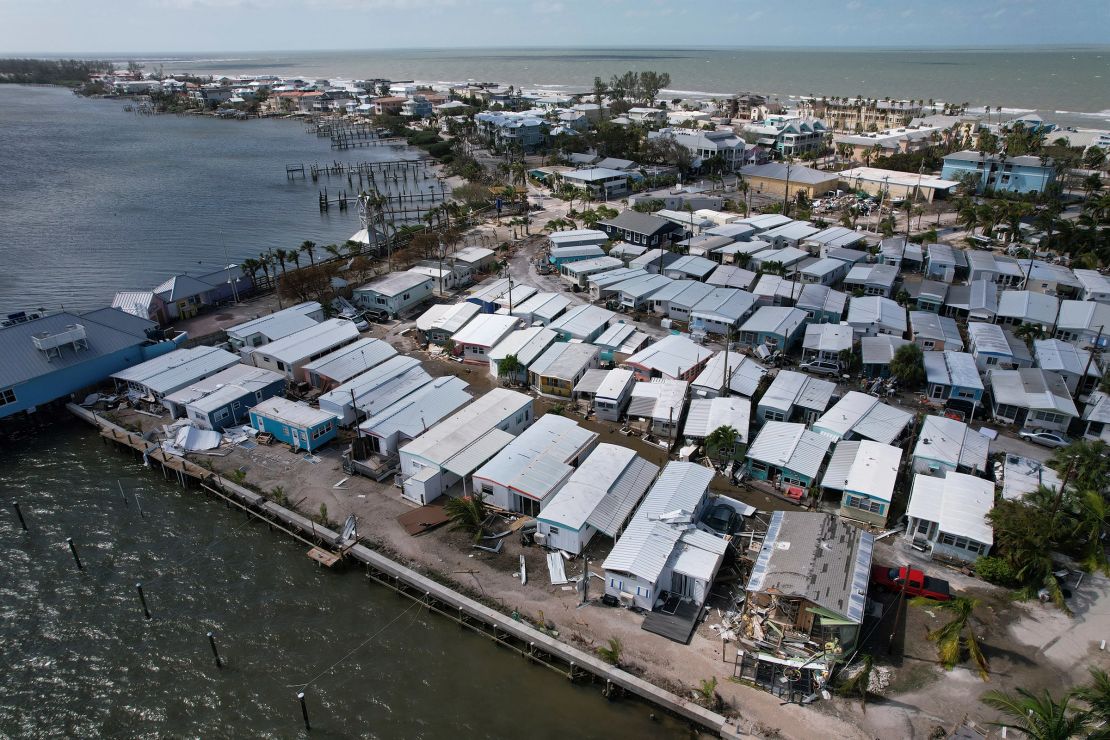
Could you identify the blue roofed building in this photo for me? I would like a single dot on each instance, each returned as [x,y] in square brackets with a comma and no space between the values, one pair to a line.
[50,358]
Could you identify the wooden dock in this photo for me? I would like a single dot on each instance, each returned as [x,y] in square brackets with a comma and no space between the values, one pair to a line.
[532,644]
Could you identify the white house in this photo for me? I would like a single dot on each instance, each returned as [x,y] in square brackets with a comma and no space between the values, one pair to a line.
[660,403]
[481,334]
[861,416]
[659,551]
[534,465]
[948,516]
[453,449]
[408,418]
[948,445]
[598,497]
[865,473]
[1031,398]
[290,354]
[395,293]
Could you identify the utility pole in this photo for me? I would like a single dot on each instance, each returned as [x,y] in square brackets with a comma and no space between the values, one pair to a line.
[786,191]
[1090,359]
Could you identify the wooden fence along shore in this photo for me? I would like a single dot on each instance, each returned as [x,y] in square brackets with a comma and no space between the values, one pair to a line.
[532,644]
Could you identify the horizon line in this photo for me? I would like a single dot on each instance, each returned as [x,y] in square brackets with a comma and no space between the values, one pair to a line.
[659,49]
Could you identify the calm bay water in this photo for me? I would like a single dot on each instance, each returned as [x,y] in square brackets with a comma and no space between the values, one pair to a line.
[80,661]
[1066,84]
[94,200]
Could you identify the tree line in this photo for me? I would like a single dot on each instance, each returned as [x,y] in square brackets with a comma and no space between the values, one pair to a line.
[69,72]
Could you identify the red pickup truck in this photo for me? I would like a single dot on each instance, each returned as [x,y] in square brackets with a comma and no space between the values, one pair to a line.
[910,580]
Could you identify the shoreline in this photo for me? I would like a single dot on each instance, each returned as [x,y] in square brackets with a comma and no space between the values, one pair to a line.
[434,589]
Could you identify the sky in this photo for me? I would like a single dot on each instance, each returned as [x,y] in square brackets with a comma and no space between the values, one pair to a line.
[137,26]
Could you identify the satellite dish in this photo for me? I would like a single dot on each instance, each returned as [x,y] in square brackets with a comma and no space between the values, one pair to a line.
[349,531]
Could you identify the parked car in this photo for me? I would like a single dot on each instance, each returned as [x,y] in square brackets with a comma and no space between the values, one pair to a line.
[821,367]
[911,581]
[722,519]
[1045,438]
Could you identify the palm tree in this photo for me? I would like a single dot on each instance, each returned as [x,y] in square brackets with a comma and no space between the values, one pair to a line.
[1091,512]
[953,637]
[251,267]
[334,250]
[1097,694]
[467,513]
[281,255]
[508,366]
[309,248]
[294,256]
[265,262]
[1039,718]
[723,438]
[1030,333]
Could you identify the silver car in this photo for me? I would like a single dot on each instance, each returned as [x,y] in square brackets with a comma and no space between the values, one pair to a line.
[1045,438]
[821,367]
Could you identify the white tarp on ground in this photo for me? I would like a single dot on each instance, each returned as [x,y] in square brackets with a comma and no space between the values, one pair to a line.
[192,439]
[555,569]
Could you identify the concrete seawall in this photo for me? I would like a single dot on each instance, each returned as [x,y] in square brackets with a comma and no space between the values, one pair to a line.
[531,642]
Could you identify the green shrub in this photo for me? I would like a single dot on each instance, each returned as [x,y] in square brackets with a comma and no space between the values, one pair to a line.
[997,571]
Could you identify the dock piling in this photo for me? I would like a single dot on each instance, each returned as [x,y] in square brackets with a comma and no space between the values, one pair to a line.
[73,549]
[122,495]
[304,711]
[142,600]
[19,514]
[140,505]
[215,652]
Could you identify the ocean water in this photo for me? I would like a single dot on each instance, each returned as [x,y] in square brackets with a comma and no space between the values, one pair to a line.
[80,661]
[1070,85]
[94,200]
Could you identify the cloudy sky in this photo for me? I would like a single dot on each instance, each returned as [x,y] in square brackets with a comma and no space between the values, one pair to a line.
[58,26]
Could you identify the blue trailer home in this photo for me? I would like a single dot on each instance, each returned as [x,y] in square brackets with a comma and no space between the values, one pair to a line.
[223,400]
[49,358]
[297,424]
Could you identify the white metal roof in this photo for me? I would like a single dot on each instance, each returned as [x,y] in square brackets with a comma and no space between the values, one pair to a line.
[449,437]
[471,255]
[544,306]
[614,384]
[577,250]
[836,472]
[365,384]
[791,388]
[958,503]
[419,410]
[671,356]
[490,290]
[351,360]
[592,265]
[787,445]
[485,330]
[865,416]
[478,452]
[928,325]
[952,368]
[1084,316]
[526,344]
[563,360]
[1059,356]
[537,462]
[727,305]
[874,470]
[308,342]
[1022,475]
[988,338]
[864,311]
[395,283]
[582,321]
[224,387]
[660,399]
[775,320]
[708,414]
[602,492]
[447,317]
[649,541]
[1028,306]
[278,324]
[880,350]
[177,369]
[731,276]
[615,336]
[744,374]
[952,442]
[571,235]
[692,265]
[1032,388]
[293,413]
[828,337]
[590,381]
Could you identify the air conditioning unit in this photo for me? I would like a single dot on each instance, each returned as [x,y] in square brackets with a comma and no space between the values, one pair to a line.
[539,538]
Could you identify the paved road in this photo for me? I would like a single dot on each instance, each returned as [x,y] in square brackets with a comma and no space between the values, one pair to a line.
[1017,446]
